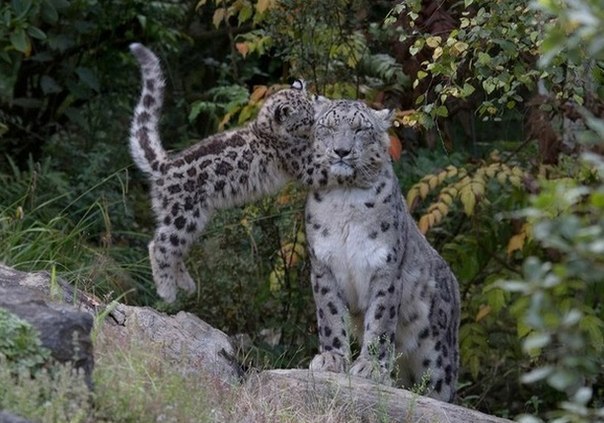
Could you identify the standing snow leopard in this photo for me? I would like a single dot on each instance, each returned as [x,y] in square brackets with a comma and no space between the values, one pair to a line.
[372,271]
[221,171]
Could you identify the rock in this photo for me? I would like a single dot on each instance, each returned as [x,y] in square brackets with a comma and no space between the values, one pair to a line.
[6,417]
[183,339]
[62,329]
[372,402]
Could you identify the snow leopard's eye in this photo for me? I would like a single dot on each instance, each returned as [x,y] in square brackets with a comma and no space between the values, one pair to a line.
[282,112]
[361,129]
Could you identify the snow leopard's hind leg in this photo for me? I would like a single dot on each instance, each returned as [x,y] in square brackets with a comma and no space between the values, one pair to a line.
[168,250]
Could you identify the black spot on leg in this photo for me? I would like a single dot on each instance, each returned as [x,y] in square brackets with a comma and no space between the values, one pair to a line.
[316,226]
[424,334]
[325,233]
[174,240]
[369,205]
[327,331]
[191,227]
[189,203]
[379,313]
[167,220]
[438,386]
[391,289]
[384,226]
[332,308]
[316,287]
[324,290]
[336,342]
[321,313]
[426,363]
[219,185]
[373,235]
[327,348]
[448,374]
[180,222]
[317,197]
[380,293]
[392,312]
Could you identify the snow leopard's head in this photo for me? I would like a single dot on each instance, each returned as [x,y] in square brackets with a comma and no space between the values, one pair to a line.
[288,113]
[352,139]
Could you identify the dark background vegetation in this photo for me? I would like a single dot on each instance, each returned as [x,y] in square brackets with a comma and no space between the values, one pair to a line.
[498,107]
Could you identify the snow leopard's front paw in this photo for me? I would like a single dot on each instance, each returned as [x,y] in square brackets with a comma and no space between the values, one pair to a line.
[371,369]
[184,280]
[164,280]
[328,362]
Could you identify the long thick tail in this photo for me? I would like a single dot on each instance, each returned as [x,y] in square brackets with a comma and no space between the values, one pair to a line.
[145,143]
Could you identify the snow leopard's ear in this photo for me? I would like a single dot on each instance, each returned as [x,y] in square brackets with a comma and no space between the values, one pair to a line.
[282,112]
[299,84]
[320,104]
[384,118]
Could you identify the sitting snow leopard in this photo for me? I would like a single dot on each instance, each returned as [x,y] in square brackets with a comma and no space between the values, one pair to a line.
[372,271]
[219,172]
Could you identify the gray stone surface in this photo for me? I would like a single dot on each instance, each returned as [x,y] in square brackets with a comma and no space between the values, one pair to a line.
[6,417]
[183,339]
[64,330]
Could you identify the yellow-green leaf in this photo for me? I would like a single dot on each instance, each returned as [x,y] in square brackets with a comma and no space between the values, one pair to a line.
[263,5]
[468,200]
[218,16]
[433,41]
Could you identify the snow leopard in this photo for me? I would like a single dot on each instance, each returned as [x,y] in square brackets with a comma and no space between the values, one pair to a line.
[224,170]
[374,275]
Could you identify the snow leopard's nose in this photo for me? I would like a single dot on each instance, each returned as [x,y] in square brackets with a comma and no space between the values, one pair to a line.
[342,152]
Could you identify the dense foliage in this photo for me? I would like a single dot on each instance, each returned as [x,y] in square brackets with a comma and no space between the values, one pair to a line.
[20,346]
[497,113]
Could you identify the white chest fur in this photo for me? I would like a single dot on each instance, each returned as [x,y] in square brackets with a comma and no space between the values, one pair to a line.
[346,238]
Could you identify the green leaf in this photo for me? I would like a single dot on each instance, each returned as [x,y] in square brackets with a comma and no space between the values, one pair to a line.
[201,106]
[536,341]
[36,33]
[536,375]
[562,379]
[21,7]
[245,13]
[49,12]
[20,41]
[489,85]
[88,77]
[49,85]
[441,111]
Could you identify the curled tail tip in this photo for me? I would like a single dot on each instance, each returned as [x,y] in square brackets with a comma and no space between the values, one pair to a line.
[137,48]
[143,55]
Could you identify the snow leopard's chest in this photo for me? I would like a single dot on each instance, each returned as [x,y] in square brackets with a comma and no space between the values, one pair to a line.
[345,233]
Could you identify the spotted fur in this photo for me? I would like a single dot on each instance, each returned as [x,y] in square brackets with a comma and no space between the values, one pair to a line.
[374,275]
[221,171]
